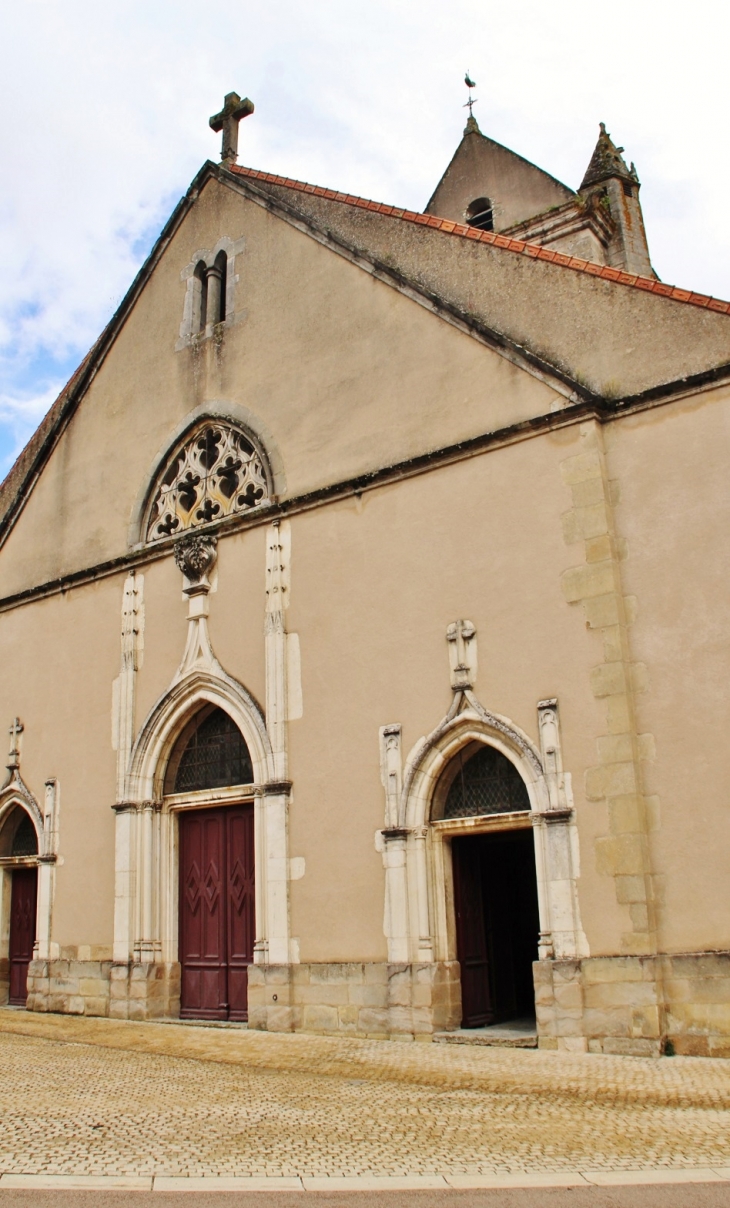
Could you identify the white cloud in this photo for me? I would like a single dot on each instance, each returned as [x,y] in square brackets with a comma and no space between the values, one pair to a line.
[110,102]
[20,416]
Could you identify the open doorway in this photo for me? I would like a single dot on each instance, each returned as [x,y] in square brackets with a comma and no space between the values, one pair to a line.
[497,925]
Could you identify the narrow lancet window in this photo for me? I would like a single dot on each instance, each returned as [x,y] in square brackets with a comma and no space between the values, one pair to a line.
[221,263]
[200,298]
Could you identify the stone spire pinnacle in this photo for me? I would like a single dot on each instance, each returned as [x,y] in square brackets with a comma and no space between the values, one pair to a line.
[607,161]
[227,120]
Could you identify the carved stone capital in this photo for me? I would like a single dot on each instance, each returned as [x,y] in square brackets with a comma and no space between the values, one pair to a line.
[276,788]
[558,814]
[392,833]
[125,807]
[195,555]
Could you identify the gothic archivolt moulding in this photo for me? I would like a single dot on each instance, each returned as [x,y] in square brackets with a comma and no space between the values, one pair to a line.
[215,473]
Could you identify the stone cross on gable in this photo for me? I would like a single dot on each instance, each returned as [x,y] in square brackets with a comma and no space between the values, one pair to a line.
[227,120]
[15,731]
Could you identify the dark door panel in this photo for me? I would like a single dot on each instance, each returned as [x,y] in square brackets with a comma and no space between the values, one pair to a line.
[216,911]
[471,936]
[202,915]
[23,897]
[240,866]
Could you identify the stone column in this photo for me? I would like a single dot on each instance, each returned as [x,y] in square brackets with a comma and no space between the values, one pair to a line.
[123,709]
[555,836]
[42,949]
[275,647]
[275,803]
[273,845]
[125,879]
[425,941]
[213,304]
[46,870]
[147,903]
[395,922]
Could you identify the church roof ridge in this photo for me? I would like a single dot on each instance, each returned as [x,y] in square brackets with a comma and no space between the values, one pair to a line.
[534,251]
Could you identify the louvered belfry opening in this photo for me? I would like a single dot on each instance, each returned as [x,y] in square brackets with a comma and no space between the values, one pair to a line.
[214,756]
[485,783]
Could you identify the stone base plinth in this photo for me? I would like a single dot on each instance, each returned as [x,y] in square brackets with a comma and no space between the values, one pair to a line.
[70,987]
[101,987]
[640,1006]
[376,1000]
[145,991]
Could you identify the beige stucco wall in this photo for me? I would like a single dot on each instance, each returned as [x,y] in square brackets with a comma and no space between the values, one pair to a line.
[384,576]
[374,585]
[673,514]
[59,657]
[375,582]
[347,374]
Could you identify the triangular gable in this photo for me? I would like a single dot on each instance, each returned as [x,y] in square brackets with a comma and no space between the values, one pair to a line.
[480,166]
[381,378]
[29,464]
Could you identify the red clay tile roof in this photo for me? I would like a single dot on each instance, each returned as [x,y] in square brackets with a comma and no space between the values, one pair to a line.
[511,245]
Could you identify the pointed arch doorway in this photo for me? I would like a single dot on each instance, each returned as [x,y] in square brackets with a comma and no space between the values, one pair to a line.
[19,859]
[210,775]
[496,912]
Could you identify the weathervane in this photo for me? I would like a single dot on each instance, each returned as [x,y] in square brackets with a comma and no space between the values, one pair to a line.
[470,83]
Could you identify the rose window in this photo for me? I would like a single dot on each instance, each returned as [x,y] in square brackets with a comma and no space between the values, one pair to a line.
[216,473]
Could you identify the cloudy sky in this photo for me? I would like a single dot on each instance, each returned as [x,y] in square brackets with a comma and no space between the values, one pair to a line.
[106,108]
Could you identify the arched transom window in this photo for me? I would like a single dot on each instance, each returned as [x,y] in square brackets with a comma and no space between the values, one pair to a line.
[485,783]
[215,473]
[18,836]
[213,756]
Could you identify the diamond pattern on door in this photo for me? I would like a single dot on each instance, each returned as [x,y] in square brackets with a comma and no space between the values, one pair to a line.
[217,911]
[192,889]
[241,887]
[212,887]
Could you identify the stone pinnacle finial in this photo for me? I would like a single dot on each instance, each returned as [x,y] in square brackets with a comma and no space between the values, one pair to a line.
[607,161]
[227,120]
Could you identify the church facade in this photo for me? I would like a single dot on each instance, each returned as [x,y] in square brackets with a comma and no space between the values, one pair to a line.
[363,630]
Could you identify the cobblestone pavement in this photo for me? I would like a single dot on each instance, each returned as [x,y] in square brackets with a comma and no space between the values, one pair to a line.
[100,1097]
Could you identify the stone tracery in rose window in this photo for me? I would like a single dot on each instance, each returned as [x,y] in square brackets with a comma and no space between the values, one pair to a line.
[215,474]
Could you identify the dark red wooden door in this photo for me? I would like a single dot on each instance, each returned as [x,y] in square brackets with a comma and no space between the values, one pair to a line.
[216,911]
[240,904]
[472,944]
[23,898]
